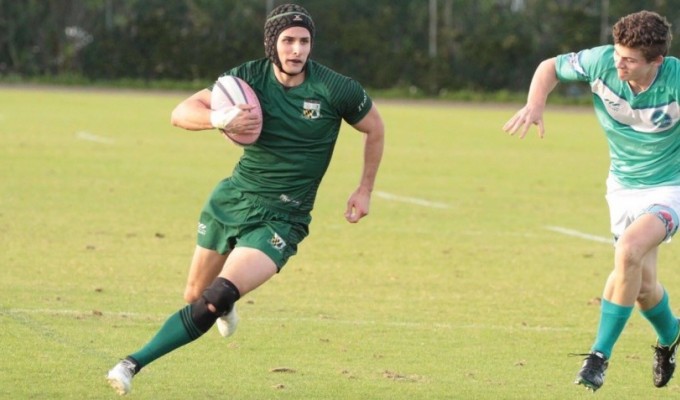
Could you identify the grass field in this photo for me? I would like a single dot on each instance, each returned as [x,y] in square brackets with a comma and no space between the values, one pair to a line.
[473,278]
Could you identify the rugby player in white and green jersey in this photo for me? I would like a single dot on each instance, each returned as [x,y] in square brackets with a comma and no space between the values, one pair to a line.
[254,220]
[636,89]
[642,128]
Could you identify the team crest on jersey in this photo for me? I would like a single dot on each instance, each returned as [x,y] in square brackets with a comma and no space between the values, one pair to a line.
[662,119]
[653,119]
[311,109]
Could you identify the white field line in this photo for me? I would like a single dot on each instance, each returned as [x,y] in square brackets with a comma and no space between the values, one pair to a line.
[411,200]
[581,235]
[301,320]
[82,135]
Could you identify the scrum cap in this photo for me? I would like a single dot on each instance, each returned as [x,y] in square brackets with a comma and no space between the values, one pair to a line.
[280,19]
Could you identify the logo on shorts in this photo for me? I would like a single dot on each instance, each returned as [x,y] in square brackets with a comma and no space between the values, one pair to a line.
[277,242]
[311,109]
[668,219]
[286,199]
[201,228]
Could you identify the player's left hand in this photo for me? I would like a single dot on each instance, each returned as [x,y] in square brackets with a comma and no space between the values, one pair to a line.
[357,205]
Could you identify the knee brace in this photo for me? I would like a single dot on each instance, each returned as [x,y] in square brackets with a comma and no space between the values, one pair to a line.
[222,294]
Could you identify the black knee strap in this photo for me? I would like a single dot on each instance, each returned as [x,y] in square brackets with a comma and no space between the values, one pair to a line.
[222,294]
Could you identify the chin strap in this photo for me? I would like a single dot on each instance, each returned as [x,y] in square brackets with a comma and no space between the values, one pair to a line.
[289,74]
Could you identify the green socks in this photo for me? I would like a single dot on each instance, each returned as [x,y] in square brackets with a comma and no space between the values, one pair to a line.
[664,322]
[613,318]
[178,330]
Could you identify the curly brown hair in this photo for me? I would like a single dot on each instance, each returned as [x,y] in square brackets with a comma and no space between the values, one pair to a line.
[646,31]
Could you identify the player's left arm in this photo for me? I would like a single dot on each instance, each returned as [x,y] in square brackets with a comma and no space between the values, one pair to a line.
[373,129]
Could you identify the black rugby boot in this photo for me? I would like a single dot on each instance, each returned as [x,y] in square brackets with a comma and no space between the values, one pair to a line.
[664,363]
[593,370]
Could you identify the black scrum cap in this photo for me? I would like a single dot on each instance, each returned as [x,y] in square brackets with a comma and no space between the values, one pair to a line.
[280,19]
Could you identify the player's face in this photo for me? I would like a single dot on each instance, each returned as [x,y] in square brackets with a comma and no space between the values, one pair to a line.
[632,66]
[293,47]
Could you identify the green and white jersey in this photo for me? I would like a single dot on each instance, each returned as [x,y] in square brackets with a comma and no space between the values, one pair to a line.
[643,130]
[300,127]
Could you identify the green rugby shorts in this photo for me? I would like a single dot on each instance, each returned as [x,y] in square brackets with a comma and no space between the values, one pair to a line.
[232,219]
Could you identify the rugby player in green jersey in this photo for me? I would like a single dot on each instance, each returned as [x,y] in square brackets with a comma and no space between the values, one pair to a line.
[254,220]
[636,90]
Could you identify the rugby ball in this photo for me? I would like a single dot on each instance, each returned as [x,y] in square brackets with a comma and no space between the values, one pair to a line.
[230,91]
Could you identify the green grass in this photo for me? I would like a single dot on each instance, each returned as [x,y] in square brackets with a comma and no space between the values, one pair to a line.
[476,299]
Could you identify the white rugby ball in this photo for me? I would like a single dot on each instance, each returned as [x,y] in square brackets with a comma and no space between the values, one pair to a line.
[230,91]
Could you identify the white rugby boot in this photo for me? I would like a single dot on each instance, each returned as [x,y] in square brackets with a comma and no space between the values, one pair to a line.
[227,324]
[120,377]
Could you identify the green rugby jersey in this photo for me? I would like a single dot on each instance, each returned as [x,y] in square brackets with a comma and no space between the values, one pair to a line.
[300,127]
[643,130]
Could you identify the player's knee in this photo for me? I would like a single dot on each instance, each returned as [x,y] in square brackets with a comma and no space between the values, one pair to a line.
[222,294]
[191,294]
[629,256]
[217,300]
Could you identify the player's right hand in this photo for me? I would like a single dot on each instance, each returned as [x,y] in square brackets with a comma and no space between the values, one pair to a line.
[221,118]
[243,123]
[522,121]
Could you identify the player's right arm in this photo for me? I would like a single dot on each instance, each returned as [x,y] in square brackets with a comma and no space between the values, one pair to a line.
[543,82]
[194,114]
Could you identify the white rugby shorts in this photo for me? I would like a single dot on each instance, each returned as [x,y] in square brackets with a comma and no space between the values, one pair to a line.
[625,205]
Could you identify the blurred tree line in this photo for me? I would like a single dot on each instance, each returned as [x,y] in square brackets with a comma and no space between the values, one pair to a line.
[433,45]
